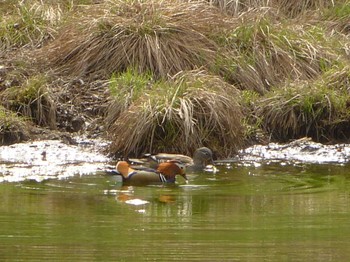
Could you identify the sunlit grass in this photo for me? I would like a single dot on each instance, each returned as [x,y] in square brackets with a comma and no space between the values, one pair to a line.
[178,115]
[29,24]
[157,36]
[173,69]
[12,127]
[338,17]
[319,108]
[31,100]
[283,7]
[259,54]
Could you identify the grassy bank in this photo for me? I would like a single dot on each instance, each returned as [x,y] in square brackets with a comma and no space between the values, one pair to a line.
[175,75]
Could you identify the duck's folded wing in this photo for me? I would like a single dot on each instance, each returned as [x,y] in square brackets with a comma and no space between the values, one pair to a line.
[182,158]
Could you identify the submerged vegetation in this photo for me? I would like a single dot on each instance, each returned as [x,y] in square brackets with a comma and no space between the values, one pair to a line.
[156,75]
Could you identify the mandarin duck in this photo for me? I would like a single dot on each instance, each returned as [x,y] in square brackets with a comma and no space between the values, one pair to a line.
[202,157]
[165,173]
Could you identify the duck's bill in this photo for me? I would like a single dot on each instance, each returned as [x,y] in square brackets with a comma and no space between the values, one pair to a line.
[185,177]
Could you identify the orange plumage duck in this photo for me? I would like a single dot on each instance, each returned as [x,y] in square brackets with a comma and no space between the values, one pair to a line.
[166,172]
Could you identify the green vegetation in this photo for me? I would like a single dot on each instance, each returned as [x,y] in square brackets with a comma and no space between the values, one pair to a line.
[13,129]
[132,34]
[28,25]
[338,16]
[178,114]
[287,8]
[318,109]
[31,100]
[176,75]
[266,54]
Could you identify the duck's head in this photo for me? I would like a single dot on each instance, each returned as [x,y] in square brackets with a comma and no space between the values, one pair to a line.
[203,156]
[124,168]
[172,168]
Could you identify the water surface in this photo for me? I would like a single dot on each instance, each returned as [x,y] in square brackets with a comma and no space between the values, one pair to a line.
[264,212]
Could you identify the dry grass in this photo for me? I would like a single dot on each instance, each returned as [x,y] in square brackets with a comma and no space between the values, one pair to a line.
[13,129]
[319,109]
[290,60]
[338,17]
[191,110]
[260,54]
[163,37]
[29,24]
[284,7]
[32,100]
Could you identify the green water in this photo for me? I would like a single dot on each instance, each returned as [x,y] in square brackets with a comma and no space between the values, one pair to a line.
[272,212]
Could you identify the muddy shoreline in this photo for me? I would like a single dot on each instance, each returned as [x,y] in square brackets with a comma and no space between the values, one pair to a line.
[47,159]
[61,159]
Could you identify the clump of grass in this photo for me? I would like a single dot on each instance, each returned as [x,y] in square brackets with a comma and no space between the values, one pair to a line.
[319,109]
[32,100]
[261,54]
[285,7]
[339,16]
[29,24]
[13,129]
[237,7]
[125,88]
[163,37]
[191,110]
[300,7]
[251,122]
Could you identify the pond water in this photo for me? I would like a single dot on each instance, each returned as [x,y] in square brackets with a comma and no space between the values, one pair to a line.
[271,211]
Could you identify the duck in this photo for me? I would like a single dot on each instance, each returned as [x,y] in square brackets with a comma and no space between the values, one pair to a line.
[166,172]
[202,157]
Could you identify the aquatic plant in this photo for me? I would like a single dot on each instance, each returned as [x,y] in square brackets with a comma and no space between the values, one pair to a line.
[179,115]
